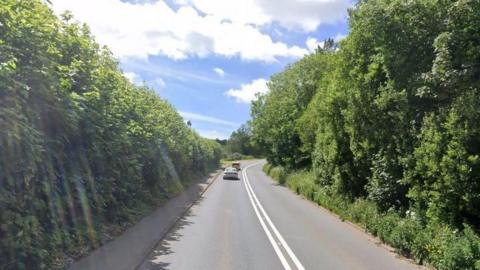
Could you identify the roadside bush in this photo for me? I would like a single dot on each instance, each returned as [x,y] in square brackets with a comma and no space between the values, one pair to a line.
[421,245]
[438,245]
[276,172]
[451,249]
[302,183]
[364,213]
[234,156]
[403,235]
[237,156]
[385,226]
[266,168]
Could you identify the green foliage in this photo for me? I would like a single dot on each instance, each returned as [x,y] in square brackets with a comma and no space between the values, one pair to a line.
[445,177]
[386,125]
[391,116]
[453,250]
[236,156]
[81,148]
[241,142]
[275,115]
[436,244]
[446,159]
[277,172]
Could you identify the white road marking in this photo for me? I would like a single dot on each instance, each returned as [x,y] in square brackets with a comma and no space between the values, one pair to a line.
[279,253]
[283,243]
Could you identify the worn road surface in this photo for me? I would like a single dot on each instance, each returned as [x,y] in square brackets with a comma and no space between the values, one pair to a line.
[253,223]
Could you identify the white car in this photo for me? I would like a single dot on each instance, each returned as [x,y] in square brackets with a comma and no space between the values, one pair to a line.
[230,173]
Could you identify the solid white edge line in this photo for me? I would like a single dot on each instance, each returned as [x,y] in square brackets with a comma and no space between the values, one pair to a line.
[294,258]
[279,253]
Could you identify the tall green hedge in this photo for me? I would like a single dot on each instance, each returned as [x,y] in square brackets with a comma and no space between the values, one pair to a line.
[81,148]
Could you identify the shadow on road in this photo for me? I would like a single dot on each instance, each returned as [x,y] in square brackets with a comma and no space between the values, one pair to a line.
[155,259]
[231,179]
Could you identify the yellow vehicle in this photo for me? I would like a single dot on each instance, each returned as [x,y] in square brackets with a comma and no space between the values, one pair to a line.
[236,165]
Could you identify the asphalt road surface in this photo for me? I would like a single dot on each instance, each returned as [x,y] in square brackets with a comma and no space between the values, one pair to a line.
[253,223]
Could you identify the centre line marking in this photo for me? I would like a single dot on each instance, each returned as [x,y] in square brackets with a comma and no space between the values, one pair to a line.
[255,202]
[279,253]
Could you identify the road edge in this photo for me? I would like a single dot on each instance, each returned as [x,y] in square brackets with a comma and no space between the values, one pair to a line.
[146,233]
[177,219]
[370,237]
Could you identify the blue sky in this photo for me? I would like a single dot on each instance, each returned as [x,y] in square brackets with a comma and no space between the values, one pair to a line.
[209,57]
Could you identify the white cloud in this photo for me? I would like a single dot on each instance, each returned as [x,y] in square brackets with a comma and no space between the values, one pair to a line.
[213,134]
[137,80]
[153,28]
[204,118]
[169,72]
[305,15]
[159,82]
[313,43]
[248,92]
[220,72]
[339,37]
[133,77]
[243,12]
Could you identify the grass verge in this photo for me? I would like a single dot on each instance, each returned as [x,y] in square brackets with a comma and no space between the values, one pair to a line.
[434,244]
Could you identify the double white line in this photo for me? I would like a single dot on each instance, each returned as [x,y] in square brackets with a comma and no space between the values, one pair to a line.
[262,216]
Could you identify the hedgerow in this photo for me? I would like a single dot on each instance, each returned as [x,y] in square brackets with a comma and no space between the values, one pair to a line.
[82,151]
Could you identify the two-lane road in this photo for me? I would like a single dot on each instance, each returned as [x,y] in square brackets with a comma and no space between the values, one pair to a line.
[253,223]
